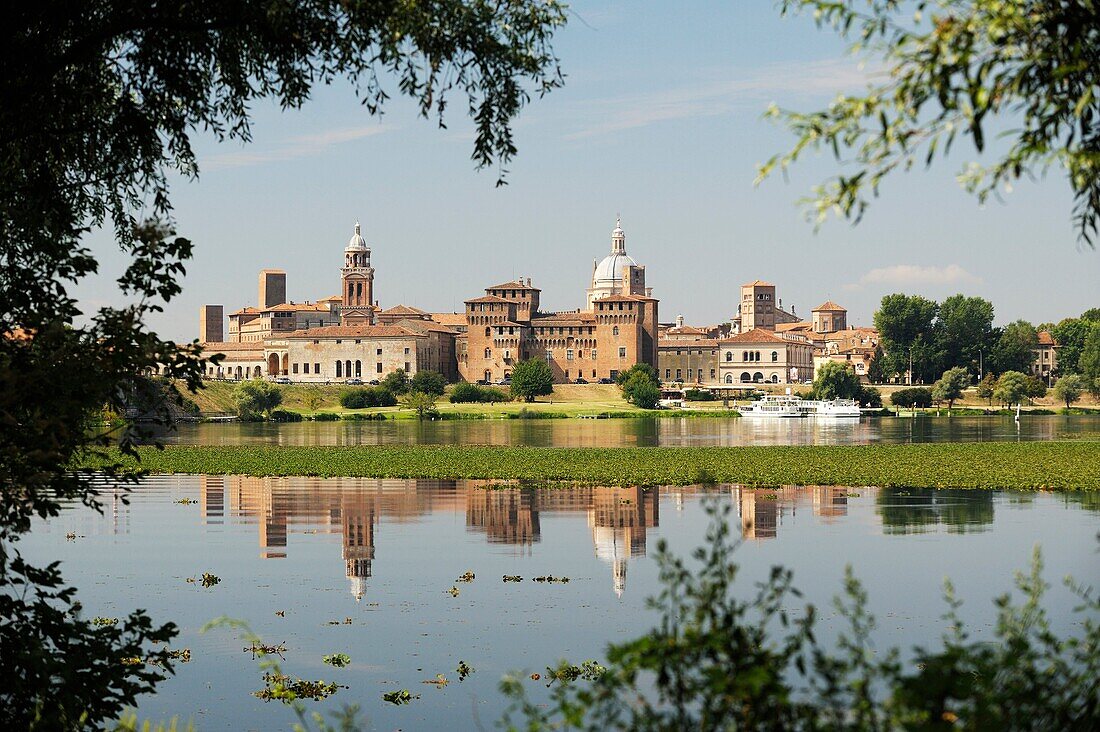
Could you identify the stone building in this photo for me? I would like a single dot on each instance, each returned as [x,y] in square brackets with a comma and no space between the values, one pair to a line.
[1046,357]
[691,362]
[828,317]
[761,356]
[332,339]
[619,328]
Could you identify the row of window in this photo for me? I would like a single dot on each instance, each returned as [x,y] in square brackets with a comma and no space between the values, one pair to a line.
[691,374]
[757,378]
[751,356]
[611,305]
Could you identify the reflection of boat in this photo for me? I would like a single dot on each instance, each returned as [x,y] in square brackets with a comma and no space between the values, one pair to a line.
[773,406]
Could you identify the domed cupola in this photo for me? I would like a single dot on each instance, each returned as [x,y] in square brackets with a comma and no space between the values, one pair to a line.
[357,243]
[618,238]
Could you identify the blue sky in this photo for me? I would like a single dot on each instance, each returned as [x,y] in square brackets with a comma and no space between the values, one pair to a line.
[660,120]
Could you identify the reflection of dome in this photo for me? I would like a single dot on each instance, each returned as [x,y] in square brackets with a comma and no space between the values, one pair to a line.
[358,587]
[357,242]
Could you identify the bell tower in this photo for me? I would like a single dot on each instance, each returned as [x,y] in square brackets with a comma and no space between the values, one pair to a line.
[357,279]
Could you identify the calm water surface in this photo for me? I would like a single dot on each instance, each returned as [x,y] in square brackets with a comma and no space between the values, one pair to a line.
[383,553]
[644,432]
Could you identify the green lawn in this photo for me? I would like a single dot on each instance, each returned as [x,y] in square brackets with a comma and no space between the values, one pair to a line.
[1034,465]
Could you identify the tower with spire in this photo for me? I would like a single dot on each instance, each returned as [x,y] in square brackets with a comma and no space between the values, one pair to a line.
[617,273]
[357,280]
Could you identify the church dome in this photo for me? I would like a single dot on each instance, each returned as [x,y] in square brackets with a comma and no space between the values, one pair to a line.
[356,243]
[609,272]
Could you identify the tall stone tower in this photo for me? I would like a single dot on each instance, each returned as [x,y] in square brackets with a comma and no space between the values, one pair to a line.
[758,306]
[272,288]
[358,282]
[211,318]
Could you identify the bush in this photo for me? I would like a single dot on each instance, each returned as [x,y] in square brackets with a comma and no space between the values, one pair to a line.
[396,382]
[466,393]
[326,417]
[428,382]
[917,396]
[698,395]
[256,399]
[641,391]
[869,396]
[638,368]
[532,378]
[282,415]
[367,396]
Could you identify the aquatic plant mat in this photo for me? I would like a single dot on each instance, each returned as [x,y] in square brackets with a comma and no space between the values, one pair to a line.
[1028,465]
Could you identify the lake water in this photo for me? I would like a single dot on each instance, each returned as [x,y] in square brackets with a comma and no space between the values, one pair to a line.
[644,432]
[384,552]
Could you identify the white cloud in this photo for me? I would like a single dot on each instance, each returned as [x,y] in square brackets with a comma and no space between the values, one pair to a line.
[291,148]
[747,87]
[914,274]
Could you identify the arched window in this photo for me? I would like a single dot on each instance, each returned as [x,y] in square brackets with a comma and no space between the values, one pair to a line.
[746,377]
[358,369]
[351,289]
[757,377]
[775,356]
[488,353]
[744,355]
[488,331]
[756,355]
[729,378]
[775,378]
[615,330]
[359,289]
[729,355]
[339,369]
[347,367]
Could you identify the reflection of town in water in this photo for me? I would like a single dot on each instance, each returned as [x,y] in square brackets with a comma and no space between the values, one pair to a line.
[619,518]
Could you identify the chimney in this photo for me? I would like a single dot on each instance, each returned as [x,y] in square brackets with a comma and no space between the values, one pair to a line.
[679,321]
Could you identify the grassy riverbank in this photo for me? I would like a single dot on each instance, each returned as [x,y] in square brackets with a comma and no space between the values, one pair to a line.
[1053,465]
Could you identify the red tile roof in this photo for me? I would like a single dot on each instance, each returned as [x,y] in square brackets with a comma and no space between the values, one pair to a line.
[829,307]
[489,298]
[756,335]
[355,331]
[1046,339]
[514,285]
[404,310]
[451,319]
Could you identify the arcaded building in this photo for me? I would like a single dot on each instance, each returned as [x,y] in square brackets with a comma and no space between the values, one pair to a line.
[617,329]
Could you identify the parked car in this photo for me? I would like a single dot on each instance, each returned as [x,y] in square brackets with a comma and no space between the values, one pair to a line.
[282,379]
[482,382]
[355,382]
[374,382]
[607,381]
[581,381]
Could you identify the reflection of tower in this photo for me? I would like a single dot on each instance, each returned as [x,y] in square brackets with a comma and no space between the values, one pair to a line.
[273,518]
[619,518]
[759,515]
[829,502]
[357,528]
[508,516]
[212,498]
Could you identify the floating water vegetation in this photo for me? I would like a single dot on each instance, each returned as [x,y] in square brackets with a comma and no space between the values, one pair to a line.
[1010,465]
[183,655]
[338,660]
[71,536]
[206,580]
[552,578]
[101,622]
[280,613]
[566,672]
[769,496]
[402,696]
[131,660]
[467,577]
[464,670]
[259,648]
[280,686]
[512,578]
[186,501]
[453,592]
[345,621]
[439,681]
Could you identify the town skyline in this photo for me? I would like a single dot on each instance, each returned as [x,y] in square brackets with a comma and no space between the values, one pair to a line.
[660,126]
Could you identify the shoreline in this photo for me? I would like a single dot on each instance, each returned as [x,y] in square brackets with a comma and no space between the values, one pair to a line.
[1048,465]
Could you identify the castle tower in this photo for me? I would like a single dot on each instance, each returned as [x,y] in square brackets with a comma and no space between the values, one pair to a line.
[357,278]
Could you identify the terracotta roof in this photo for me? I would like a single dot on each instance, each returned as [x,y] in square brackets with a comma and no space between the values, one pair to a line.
[758,283]
[235,351]
[625,298]
[489,298]
[756,335]
[829,306]
[514,285]
[297,307]
[246,311]
[688,344]
[508,324]
[451,319]
[423,326]
[404,310]
[686,329]
[1046,339]
[355,331]
[785,327]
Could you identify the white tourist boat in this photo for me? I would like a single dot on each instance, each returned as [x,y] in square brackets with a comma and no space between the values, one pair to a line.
[787,406]
[774,407]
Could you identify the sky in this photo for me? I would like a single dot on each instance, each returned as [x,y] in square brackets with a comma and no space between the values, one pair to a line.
[660,121]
